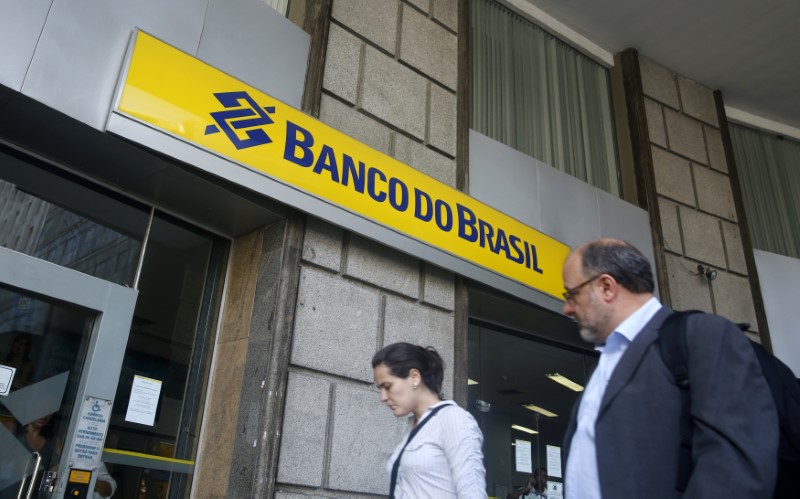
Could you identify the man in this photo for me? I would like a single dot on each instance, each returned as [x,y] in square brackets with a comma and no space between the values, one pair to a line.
[104,485]
[624,436]
[536,488]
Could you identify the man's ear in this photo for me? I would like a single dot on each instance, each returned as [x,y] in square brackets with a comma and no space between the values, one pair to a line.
[610,287]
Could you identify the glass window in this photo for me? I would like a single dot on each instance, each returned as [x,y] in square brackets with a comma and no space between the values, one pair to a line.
[279,5]
[48,215]
[517,396]
[45,341]
[769,174]
[534,93]
[169,345]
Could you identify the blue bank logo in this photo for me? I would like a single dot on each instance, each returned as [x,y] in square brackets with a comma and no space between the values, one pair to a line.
[241,113]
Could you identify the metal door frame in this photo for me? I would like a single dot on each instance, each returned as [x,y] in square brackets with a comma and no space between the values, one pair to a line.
[114,305]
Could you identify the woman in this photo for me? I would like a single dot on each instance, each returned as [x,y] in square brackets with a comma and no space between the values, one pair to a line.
[440,455]
[38,436]
[18,358]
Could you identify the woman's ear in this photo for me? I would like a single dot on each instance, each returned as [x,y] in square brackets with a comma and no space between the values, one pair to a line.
[414,375]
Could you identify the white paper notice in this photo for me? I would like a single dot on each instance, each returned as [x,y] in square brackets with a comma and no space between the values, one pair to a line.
[144,400]
[6,378]
[554,461]
[555,490]
[523,454]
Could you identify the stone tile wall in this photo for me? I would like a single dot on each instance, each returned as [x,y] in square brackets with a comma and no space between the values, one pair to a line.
[232,343]
[384,85]
[698,218]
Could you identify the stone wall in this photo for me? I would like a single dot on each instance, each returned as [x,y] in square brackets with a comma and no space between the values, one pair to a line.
[695,199]
[389,81]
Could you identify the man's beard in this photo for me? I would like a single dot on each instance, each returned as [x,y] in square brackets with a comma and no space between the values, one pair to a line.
[588,334]
[590,325]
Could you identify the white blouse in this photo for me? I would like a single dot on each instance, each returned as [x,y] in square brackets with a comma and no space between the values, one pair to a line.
[445,458]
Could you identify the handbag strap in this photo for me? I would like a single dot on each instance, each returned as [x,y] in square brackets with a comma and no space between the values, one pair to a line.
[396,465]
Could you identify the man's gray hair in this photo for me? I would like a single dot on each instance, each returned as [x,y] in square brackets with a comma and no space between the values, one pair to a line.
[619,259]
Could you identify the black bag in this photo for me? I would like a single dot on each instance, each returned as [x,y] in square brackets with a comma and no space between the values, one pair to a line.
[782,383]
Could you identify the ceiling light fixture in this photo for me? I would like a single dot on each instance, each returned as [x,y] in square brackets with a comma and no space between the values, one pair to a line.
[563,380]
[540,410]
[525,429]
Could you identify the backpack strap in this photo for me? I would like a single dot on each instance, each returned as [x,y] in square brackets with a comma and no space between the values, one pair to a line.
[675,354]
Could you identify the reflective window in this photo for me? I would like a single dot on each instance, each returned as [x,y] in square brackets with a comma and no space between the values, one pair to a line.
[540,96]
[521,392]
[45,214]
[169,348]
[769,173]
[45,342]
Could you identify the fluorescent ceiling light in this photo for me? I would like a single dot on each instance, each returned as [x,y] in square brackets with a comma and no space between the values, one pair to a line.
[566,382]
[471,382]
[540,410]
[522,428]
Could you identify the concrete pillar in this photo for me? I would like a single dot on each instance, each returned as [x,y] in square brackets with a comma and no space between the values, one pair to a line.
[691,195]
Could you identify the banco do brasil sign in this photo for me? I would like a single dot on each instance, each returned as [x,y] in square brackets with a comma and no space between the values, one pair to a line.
[182,96]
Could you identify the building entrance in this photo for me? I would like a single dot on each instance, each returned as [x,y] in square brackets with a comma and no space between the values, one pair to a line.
[94,384]
[527,368]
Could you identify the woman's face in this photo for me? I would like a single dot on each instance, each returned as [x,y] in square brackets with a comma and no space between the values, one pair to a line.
[42,422]
[397,393]
[21,346]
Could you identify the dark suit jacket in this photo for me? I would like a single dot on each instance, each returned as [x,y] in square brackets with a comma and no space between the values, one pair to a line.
[735,425]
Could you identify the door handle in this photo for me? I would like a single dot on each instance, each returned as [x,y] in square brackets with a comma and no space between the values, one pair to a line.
[48,481]
[32,483]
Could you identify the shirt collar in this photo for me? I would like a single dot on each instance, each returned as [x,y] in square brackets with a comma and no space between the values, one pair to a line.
[633,324]
[428,410]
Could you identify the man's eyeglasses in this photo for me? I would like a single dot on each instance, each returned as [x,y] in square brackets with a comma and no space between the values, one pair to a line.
[571,293]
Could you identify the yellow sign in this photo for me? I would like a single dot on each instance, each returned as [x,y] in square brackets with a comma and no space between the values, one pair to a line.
[185,97]
[79,476]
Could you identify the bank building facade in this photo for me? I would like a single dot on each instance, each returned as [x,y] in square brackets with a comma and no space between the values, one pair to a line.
[215,212]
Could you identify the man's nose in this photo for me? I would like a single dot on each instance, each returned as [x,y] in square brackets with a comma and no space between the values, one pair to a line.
[568,309]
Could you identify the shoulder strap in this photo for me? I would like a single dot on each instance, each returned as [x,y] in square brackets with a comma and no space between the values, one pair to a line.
[396,465]
[675,354]
[672,342]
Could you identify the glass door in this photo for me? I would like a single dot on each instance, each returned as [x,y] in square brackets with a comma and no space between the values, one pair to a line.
[62,340]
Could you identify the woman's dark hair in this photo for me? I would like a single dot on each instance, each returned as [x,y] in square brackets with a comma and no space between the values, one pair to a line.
[19,337]
[401,358]
[620,260]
